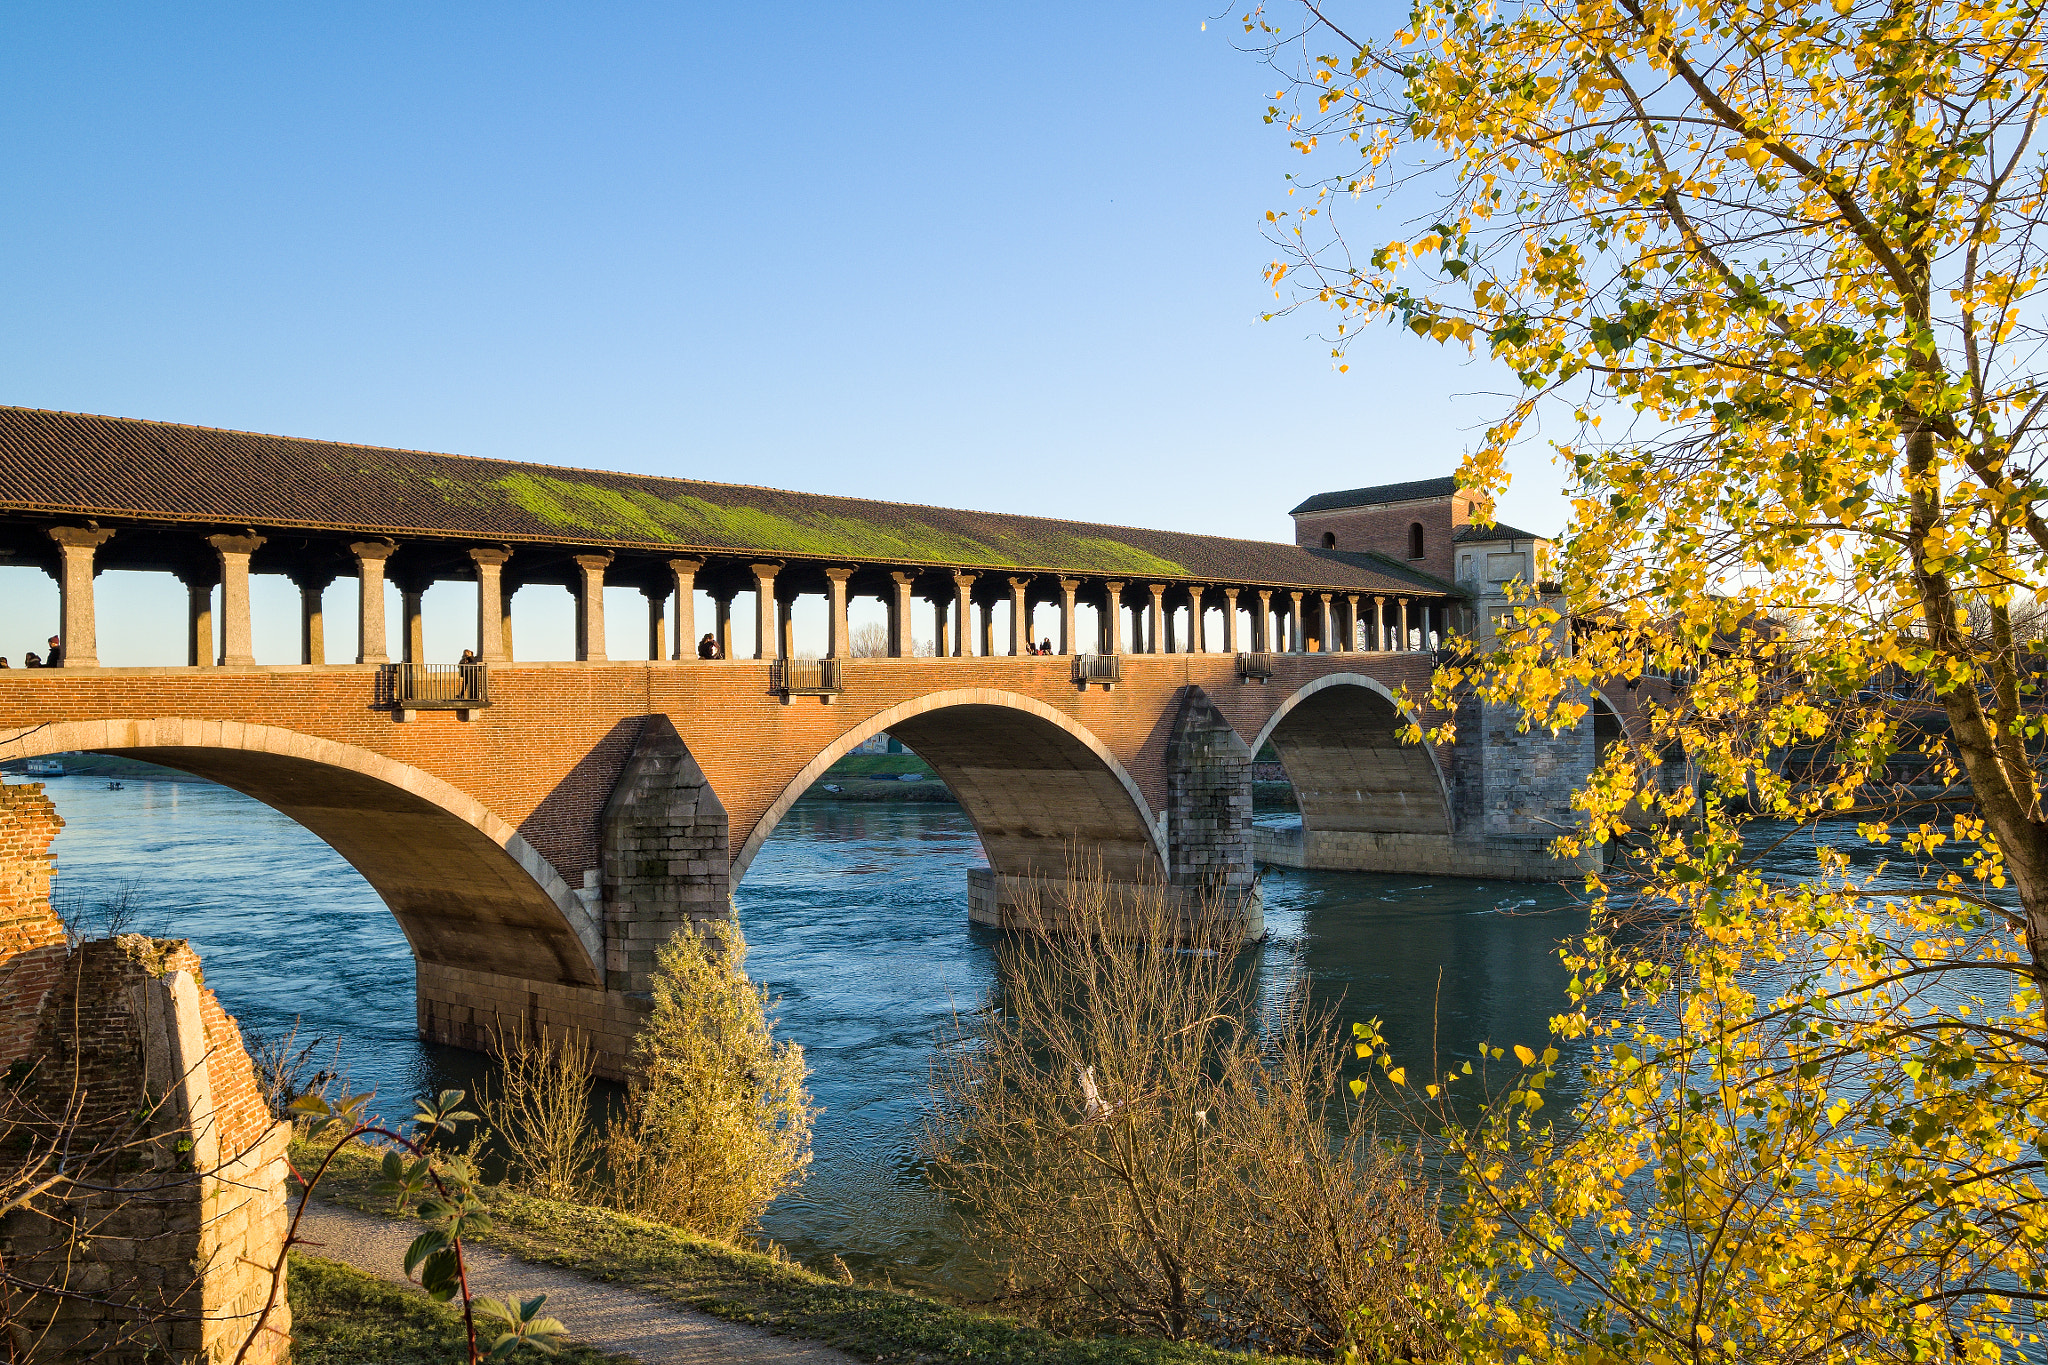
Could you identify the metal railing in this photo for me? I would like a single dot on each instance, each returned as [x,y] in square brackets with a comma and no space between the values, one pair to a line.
[437,687]
[1098,668]
[805,677]
[1254,667]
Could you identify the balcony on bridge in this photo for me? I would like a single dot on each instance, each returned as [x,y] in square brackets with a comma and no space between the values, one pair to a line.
[436,687]
[1106,669]
[806,677]
[1254,667]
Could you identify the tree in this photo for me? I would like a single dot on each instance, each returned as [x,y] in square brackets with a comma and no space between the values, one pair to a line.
[1770,268]
[717,1119]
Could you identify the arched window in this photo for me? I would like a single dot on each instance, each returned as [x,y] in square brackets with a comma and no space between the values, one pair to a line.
[1329,540]
[1415,540]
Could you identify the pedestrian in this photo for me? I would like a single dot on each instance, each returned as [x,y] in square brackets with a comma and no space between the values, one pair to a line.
[4,663]
[1045,647]
[468,657]
[707,648]
[32,660]
[55,658]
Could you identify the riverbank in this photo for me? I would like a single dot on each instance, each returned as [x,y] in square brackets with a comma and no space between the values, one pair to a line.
[880,1323]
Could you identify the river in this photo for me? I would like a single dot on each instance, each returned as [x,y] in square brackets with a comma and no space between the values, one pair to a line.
[856,919]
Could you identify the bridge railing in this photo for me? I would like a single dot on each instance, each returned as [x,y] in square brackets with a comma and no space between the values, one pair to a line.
[806,677]
[436,687]
[1254,667]
[1098,668]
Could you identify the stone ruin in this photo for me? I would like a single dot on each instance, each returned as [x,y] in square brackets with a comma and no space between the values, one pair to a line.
[159,1236]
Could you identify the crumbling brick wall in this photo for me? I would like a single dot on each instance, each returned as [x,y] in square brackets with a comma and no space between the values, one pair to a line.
[32,945]
[162,1249]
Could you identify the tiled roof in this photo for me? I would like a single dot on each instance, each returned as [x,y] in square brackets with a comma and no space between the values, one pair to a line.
[117,468]
[1411,491]
[1497,531]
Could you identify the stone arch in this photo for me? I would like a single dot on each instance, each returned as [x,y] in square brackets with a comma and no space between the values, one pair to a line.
[1339,740]
[469,892]
[1609,726]
[1031,778]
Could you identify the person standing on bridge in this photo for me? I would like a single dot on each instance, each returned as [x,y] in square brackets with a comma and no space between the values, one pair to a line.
[707,648]
[55,658]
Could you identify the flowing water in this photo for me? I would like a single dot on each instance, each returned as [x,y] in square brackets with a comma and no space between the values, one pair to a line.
[856,918]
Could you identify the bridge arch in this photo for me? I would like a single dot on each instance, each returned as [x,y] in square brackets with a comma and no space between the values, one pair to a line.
[1031,778]
[467,889]
[1338,737]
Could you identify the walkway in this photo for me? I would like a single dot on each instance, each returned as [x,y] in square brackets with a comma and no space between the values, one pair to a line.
[601,1315]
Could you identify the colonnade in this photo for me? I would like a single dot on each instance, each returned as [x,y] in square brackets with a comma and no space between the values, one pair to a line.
[1133,617]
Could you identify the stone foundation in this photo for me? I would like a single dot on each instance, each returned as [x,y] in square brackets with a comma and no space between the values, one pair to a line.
[1022,904]
[1430,855]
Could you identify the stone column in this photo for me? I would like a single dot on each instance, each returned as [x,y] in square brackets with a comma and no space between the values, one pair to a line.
[963,594]
[683,579]
[1350,622]
[1262,621]
[986,616]
[1379,624]
[1230,620]
[411,627]
[1020,615]
[373,641]
[764,609]
[785,628]
[838,639]
[590,606]
[657,621]
[722,621]
[1296,641]
[942,624]
[1112,609]
[76,630]
[312,587]
[1198,630]
[505,619]
[199,580]
[1403,602]
[491,605]
[901,646]
[236,647]
[1068,587]
[1326,622]
[1154,616]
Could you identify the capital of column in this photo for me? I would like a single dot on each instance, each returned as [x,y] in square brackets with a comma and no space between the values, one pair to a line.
[80,537]
[311,580]
[493,555]
[1230,595]
[246,544]
[1070,585]
[379,550]
[685,566]
[905,579]
[596,563]
[965,582]
[840,575]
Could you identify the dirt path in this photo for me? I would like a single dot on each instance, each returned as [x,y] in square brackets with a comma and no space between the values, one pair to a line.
[602,1315]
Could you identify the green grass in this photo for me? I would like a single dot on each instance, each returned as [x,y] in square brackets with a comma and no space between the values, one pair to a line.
[887,1325]
[345,1316]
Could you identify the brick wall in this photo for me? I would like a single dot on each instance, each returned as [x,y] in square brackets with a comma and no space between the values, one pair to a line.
[32,945]
[162,1253]
[1385,530]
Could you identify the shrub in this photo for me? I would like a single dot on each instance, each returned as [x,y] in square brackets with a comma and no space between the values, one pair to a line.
[539,1106]
[717,1120]
[1143,1148]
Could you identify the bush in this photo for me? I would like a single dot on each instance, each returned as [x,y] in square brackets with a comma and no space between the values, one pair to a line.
[1144,1149]
[717,1121]
[539,1106]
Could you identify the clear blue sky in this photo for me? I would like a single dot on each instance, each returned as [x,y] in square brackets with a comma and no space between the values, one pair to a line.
[956,254]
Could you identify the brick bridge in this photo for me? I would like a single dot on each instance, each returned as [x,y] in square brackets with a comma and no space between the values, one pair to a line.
[539,828]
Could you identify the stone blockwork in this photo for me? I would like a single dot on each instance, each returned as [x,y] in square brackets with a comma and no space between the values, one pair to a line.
[32,947]
[165,1248]
[665,855]
[1208,801]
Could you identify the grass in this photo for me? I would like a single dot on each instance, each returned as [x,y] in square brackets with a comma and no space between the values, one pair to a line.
[345,1316]
[887,1325]
[862,765]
